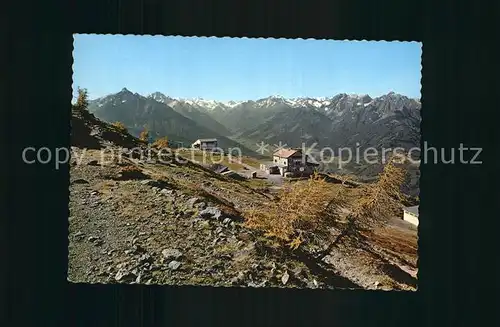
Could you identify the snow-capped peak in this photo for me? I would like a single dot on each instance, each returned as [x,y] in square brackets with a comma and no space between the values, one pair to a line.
[160,97]
[209,104]
[338,103]
[277,97]
[232,104]
[273,100]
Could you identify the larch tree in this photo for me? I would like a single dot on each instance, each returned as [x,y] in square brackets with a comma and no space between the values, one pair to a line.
[82,101]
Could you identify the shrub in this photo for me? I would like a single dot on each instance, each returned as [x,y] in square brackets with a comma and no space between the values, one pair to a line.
[144,136]
[303,212]
[82,101]
[161,143]
[120,127]
[382,199]
[373,204]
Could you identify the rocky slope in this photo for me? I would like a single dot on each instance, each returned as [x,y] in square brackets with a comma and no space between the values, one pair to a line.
[388,121]
[391,120]
[89,132]
[171,221]
[194,110]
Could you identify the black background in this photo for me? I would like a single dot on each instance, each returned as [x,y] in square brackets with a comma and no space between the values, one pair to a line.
[458,262]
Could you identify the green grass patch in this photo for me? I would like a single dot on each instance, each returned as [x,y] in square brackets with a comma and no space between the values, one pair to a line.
[226,248]
[208,158]
[251,162]
[257,183]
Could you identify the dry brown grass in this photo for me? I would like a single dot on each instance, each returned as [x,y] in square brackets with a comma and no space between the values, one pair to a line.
[380,200]
[131,172]
[303,211]
[251,162]
[209,158]
[344,178]
[106,186]
[120,127]
[401,243]
[161,143]
[260,185]
[232,163]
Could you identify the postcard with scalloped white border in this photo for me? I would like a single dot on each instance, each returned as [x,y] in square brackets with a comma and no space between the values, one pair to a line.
[245,162]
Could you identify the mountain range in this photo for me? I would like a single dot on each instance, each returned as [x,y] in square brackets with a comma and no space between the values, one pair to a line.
[344,120]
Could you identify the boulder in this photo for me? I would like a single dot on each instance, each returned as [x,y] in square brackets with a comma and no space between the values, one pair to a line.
[285,277]
[174,265]
[200,205]
[166,192]
[192,201]
[210,212]
[171,254]
[124,276]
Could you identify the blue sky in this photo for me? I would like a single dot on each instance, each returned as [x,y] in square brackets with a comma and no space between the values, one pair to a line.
[243,69]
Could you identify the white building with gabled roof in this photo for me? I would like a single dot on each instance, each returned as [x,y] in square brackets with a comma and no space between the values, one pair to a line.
[205,144]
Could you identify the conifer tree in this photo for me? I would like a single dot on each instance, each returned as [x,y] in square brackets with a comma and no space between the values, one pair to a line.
[82,102]
[144,136]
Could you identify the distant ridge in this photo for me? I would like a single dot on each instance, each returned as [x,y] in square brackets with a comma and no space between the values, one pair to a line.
[344,120]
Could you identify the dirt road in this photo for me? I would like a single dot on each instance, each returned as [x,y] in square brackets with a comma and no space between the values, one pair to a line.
[274,179]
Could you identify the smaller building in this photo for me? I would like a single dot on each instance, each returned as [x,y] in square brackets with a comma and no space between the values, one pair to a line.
[270,167]
[410,214]
[293,161]
[205,144]
[218,168]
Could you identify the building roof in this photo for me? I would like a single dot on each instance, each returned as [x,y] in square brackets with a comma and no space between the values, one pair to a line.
[218,168]
[285,153]
[205,140]
[413,210]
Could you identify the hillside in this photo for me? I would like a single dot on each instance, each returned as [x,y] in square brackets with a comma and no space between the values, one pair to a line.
[391,120]
[137,113]
[89,132]
[388,121]
[179,223]
[341,121]
[194,111]
[281,123]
